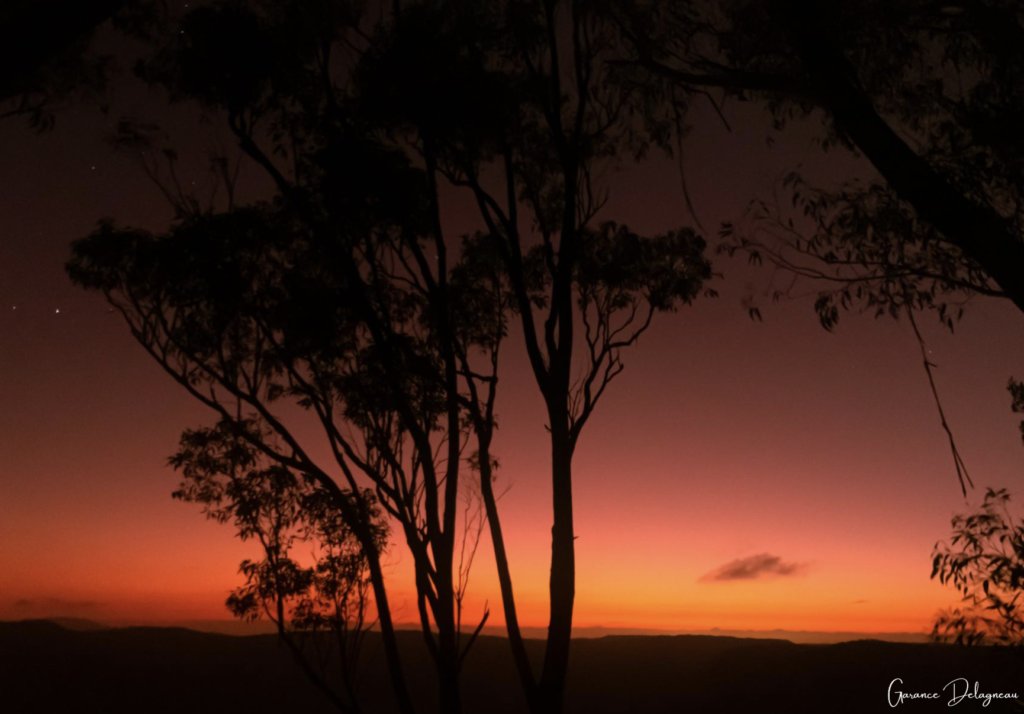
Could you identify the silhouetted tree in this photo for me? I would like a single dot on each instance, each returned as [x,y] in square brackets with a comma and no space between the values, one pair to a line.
[319,603]
[984,561]
[347,294]
[519,103]
[264,306]
[929,92]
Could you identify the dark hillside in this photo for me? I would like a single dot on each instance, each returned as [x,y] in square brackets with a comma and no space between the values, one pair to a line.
[46,668]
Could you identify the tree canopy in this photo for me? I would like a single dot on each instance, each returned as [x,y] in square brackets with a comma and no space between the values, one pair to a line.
[347,296]
[927,91]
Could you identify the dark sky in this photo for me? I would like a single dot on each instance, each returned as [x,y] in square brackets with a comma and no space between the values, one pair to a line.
[811,463]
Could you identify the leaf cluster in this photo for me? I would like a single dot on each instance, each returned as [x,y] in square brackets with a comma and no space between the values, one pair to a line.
[984,562]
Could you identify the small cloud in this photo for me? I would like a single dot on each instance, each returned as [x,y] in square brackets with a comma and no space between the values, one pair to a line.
[55,604]
[754,567]
[859,602]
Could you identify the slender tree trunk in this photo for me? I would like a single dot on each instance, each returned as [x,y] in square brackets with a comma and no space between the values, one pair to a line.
[387,632]
[364,535]
[508,600]
[447,640]
[448,683]
[444,647]
[562,585]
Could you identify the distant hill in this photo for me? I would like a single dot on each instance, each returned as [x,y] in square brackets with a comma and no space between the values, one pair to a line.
[46,668]
[821,638]
[798,636]
[263,627]
[74,623]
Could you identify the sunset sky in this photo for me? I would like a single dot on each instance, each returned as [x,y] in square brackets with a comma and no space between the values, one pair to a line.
[817,456]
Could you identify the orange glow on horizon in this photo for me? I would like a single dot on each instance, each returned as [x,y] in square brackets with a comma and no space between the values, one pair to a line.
[723,439]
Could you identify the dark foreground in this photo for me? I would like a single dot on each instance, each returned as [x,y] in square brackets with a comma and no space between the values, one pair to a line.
[49,669]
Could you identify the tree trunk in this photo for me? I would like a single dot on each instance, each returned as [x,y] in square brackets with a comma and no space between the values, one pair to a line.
[551,692]
[448,684]
[387,632]
[448,650]
[362,530]
[508,601]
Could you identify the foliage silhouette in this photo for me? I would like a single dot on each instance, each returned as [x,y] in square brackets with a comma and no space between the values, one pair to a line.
[984,561]
[253,309]
[319,606]
[519,104]
[347,296]
[927,92]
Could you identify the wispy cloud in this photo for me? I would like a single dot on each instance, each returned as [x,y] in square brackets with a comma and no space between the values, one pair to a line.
[754,567]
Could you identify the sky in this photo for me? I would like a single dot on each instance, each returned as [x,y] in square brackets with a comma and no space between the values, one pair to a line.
[739,474]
